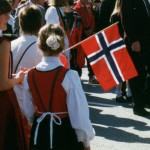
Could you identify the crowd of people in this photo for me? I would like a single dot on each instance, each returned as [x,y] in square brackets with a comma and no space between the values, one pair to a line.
[43,105]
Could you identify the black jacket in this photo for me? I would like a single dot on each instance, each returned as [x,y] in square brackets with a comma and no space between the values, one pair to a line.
[135,20]
[106,10]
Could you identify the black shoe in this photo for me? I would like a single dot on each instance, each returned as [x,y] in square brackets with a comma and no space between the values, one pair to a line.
[141,112]
[129,99]
[92,80]
[147,105]
[121,100]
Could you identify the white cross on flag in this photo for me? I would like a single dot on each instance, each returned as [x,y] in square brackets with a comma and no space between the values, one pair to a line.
[109,58]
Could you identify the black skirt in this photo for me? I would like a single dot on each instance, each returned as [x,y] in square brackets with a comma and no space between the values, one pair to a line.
[64,136]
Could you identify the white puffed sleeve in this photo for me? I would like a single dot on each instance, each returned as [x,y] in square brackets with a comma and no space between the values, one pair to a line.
[51,16]
[78,108]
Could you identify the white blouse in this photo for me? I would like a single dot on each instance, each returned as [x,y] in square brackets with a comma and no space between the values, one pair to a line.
[76,100]
[30,59]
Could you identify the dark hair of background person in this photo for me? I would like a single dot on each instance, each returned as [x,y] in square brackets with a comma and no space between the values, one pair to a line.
[57,2]
[30,19]
[5,7]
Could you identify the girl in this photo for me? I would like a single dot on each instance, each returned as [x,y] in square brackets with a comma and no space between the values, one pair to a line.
[11,129]
[57,106]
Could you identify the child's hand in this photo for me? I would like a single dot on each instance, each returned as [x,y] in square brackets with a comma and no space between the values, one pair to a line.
[24,69]
[136,47]
[20,76]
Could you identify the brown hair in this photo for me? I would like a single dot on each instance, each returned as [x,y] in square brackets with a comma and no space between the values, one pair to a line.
[5,7]
[57,2]
[45,32]
[30,19]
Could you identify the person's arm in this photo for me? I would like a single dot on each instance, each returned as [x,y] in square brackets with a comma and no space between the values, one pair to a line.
[78,108]
[5,82]
[127,19]
[106,10]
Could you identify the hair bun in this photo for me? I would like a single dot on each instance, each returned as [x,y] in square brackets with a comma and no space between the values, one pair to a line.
[53,42]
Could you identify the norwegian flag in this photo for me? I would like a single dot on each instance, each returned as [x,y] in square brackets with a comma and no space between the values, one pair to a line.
[109,58]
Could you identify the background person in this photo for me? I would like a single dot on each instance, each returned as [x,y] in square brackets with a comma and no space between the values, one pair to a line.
[11,127]
[135,19]
[27,3]
[25,50]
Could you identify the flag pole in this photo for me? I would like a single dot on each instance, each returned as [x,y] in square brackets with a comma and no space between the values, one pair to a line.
[88,38]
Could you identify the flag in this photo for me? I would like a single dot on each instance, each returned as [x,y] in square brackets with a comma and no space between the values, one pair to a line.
[109,58]
[63,60]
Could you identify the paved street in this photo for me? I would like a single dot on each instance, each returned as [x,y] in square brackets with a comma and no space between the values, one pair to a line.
[116,127]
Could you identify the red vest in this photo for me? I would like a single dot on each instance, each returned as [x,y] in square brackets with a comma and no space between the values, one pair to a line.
[47,91]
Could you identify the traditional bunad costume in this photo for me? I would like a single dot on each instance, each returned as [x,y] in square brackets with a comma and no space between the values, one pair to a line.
[54,99]
[85,11]
[11,127]
[86,15]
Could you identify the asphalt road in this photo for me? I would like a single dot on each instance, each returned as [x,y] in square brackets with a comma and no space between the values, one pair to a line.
[116,127]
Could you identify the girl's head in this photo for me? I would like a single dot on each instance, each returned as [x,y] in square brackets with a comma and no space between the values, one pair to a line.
[5,10]
[51,39]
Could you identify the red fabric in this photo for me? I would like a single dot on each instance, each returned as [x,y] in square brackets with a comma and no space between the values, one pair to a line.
[11,126]
[43,103]
[12,136]
[87,16]
[109,58]
[27,130]
[74,36]
[80,57]
[88,23]
[64,60]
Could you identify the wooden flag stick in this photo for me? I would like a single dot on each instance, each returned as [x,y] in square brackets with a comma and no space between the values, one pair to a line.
[87,38]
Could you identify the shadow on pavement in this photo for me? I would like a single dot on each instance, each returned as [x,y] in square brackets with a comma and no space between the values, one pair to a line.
[107,126]
[110,126]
